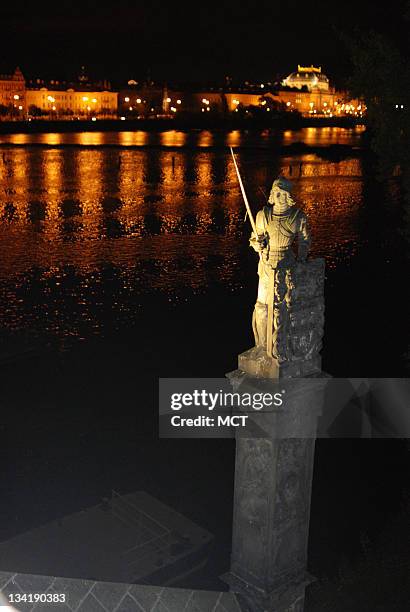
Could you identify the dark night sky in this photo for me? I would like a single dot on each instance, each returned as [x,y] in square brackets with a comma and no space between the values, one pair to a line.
[196,41]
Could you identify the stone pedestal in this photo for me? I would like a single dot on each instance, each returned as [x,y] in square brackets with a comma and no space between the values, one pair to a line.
[301,318]
[273,478]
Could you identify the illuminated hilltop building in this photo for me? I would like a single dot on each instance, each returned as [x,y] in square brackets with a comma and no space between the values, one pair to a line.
[306,91]
[311,78]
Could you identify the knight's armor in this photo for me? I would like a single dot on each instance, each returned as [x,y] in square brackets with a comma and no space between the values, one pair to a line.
[278,226]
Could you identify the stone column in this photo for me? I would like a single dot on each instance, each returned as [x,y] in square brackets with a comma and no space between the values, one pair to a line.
[273,479]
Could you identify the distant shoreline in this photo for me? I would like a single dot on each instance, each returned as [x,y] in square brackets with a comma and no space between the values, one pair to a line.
[159,125]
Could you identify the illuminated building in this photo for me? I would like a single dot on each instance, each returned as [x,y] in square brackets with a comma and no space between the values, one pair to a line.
[307,92]
[311,78]
[59,102]
[12,94]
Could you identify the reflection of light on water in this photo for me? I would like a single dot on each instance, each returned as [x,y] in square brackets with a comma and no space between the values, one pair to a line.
[314,136]
[205,139]
[173,139]
[51,139]
[204,172]
[89,188]
[52,179]
[138,138]
[123,223]
[310,165]
[234,138]
[320,136]
[18,139]
[90,138]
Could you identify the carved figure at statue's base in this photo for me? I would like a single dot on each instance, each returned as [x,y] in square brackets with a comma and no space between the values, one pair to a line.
[299,338]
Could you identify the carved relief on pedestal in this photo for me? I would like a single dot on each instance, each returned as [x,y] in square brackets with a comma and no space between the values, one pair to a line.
[252,504]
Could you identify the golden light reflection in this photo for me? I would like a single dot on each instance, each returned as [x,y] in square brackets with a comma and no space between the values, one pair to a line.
[52,182]
[156,218]
[205,139]
[138,138]
[324,136]
[173,139]
[89,138]
[234,138]
[90,188]
[51,139]
[14,173]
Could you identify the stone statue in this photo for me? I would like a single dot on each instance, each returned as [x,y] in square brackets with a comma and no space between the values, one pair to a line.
[278,225]
[288,315]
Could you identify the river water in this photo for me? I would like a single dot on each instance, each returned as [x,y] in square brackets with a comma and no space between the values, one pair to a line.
[93,223]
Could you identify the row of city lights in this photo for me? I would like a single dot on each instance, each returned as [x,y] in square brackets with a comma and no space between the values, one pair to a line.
[347,108]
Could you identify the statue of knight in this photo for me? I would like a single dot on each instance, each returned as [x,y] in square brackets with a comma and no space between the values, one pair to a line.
[288,316]
[277,226]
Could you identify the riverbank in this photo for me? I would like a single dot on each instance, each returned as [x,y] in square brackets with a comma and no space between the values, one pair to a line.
[183,124]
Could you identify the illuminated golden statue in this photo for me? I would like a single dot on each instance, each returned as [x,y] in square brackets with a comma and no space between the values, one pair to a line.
[288,316]
[278,225]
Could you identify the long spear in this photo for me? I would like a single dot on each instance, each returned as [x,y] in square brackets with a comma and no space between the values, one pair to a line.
[248,208]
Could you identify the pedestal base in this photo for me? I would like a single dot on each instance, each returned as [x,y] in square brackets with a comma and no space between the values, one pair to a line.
[256,362]
[288,598]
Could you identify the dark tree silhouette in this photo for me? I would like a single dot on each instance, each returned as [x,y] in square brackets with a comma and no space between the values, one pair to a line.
[381,76]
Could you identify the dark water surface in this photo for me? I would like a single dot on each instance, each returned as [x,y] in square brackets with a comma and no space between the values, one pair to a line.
[120,265]
[86,230]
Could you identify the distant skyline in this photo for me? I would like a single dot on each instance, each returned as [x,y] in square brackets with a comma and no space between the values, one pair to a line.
[190,42]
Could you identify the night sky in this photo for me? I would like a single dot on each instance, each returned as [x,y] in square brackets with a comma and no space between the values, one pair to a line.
[199,41]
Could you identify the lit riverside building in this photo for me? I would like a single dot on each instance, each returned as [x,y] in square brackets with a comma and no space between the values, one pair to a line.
[306,91]
[82,100]
[12,95]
